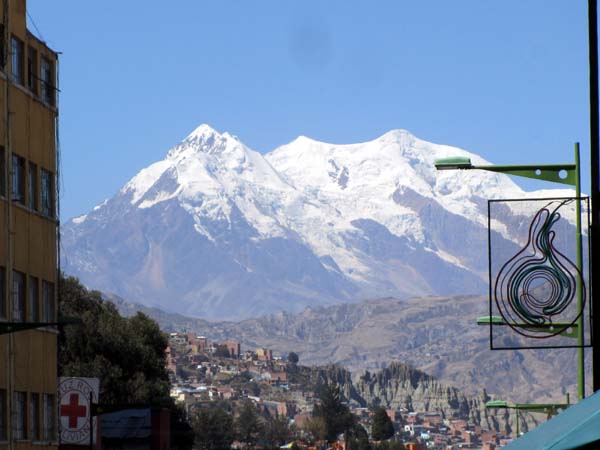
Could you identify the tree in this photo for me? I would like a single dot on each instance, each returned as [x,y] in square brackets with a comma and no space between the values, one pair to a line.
[388,445]
[248,425]
[335,414]
[277,432]
[316,428]
[213,429]
[357,438]
[383,428]
[182,433]
[127,354]
[293,357]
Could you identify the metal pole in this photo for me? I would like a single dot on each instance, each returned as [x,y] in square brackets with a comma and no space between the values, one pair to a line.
[594,162]
[91,420]
[579,262]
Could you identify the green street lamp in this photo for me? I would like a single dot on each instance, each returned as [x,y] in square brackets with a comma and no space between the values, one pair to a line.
[568,329]
[550,409]
[557,173]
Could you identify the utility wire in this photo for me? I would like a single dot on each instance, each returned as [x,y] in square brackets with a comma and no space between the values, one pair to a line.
[36,27]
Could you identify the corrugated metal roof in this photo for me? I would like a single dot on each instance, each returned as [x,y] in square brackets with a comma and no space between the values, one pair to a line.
[577,426]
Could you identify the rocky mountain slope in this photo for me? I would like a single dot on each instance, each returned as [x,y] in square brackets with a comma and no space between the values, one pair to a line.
[437,335]
[401,386]
[396,385]
[218,230]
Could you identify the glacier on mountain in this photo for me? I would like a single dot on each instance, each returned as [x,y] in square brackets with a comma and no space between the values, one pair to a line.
[221,231]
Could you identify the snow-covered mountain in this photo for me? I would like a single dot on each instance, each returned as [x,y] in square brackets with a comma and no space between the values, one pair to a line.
[220,231]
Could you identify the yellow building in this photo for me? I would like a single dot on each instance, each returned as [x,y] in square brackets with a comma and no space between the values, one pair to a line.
[28,235]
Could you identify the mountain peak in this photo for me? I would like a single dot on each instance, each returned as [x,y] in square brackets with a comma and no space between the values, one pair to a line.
[398,132]
[396,135]
[205,139]
[310,223]
[202,131]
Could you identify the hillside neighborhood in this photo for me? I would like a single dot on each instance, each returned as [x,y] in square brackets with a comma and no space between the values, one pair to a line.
[204,372]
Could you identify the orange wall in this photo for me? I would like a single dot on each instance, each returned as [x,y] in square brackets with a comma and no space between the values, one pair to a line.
[32,236]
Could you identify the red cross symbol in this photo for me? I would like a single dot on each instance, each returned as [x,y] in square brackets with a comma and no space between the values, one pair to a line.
[73,410]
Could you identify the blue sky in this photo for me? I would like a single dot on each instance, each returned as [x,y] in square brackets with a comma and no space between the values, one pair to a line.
[507,80]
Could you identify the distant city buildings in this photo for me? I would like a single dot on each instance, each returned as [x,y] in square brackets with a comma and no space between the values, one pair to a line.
[201,376]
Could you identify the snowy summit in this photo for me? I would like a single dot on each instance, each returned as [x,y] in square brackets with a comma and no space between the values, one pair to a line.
[221,231]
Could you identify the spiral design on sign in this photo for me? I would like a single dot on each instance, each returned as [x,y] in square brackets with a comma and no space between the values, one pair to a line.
[535,287]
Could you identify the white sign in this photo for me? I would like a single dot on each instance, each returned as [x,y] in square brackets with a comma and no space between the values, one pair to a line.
[74,409]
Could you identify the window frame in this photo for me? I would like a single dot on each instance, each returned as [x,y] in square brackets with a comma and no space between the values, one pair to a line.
[33,200]
[49,417]
[47,81]
[32,70]
[19,297]
[2,172]
[3,415]
[34,416]
[2,43]
[20,416]
[48,301]
[16,59]
[18,179]
[47,193]
[3,299]
[33,299]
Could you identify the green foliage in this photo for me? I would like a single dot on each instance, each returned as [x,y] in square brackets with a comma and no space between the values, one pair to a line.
[335,414]
[213,429]
[248,424]
[316,428]
[254,388]
[127,354]
[358,439]
[293,357]
[383,428]
[185,372]
[276,432]
[182,434]
[388,445]
[359,444]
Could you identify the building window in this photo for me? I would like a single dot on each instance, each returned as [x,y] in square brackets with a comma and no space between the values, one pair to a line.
[32,70]
[3,420]
[1,46]
[33,187]
[18,178]
[34,416]
[47,193]
[34,300]
[2,172]
[18,296]
[16,46]
[49,427]
[19,419]
[47,79]
[2,293]
[48,301]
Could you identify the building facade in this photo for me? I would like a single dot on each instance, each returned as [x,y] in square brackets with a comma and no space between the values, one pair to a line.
[28,235]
